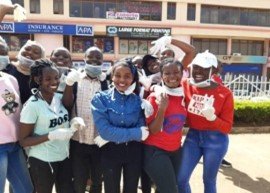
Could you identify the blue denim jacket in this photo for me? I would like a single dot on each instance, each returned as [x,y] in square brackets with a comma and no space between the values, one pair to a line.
[118,117]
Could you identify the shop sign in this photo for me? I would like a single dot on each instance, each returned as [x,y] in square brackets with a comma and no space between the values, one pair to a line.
[122,15]
[7,27]
[30,28]
[234,59]
[137,32]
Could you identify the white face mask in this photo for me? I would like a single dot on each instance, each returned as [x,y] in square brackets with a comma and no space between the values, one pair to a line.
[174,91]
[4,61]
[129,90]
[25,62]
[202,84]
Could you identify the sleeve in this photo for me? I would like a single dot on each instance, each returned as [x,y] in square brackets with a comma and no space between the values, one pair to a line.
[152,100]
[224,120]
[108,131]
[29,113]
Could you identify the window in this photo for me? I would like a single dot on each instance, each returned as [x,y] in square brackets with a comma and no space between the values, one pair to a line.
[58,7]
[191,12]
[215,46]
[134,46]
[98,9]
[34,6]
[235,16]
[21,2]
[81,43]
[16,41]
[171,11]
[248,47]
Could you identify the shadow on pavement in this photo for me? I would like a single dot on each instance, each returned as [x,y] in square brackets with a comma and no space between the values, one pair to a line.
[242,180]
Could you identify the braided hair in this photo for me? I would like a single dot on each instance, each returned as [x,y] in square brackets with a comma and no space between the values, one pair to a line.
[36,70]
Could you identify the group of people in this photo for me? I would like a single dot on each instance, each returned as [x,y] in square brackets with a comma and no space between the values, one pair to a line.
[72,125]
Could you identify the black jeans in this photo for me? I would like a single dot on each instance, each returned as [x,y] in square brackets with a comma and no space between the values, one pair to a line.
[118,158]
[45,176]
[161,166]
[86,162]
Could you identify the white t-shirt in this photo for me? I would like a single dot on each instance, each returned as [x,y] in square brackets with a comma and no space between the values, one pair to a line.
[47,118]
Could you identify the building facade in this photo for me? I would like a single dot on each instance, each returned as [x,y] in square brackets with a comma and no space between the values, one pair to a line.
[236,31]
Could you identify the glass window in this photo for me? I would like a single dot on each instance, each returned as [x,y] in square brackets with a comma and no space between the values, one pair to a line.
[15,41]
[248,47]
[171,11]
[134,46]
[21,2]
[81,43]
[34,6]
[123,46]
[205,14]
[98,9]
[244,16]
[215,46]
[191,13]
[58,7]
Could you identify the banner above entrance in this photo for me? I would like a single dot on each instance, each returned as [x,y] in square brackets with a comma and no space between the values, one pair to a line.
[137,32]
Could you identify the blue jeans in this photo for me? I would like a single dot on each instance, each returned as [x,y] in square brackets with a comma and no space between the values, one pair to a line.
[212,146]
[13,167]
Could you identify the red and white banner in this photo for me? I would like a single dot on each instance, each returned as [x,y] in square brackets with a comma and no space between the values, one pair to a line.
[122,15]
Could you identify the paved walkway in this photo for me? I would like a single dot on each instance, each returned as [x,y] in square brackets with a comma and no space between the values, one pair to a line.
[250,156]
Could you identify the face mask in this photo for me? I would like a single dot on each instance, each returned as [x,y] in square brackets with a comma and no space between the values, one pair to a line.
[25,62]
[92,70]
[4,61]
[130,89]
[202,84]
[174,91]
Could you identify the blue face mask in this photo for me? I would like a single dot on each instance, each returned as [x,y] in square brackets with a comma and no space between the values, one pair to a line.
[92,70]
[4,61]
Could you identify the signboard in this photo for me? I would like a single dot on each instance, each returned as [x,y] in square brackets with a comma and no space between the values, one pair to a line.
[122,15]
[29,28]
[137,32]
[233,59]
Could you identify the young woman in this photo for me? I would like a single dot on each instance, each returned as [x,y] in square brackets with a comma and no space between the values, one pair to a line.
[27,55]
[162,147]
[45,130]
[12,162]
[210,117]
[119,119]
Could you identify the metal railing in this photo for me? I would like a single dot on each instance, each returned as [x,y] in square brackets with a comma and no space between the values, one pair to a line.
[247,86]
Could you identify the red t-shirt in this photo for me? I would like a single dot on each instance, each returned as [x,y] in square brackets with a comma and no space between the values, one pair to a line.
[170,137]
[222,99]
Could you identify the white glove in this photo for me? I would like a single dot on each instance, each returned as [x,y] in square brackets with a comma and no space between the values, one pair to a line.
[146,82]
[100,141]
[102,76]
[148,108]
[145,133]
[157,90]
[19,13]
[73,76]
[77,123]
[208,110]
[160,44]
[60,134]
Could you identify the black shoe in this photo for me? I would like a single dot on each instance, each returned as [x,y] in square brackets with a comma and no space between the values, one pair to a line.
[226,164]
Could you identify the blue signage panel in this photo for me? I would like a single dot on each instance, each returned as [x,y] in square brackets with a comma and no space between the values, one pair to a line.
[255,69]
[31,28]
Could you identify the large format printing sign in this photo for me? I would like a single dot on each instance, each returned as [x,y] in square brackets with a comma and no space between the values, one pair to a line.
[82,30]
[122,15]
[137,32]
